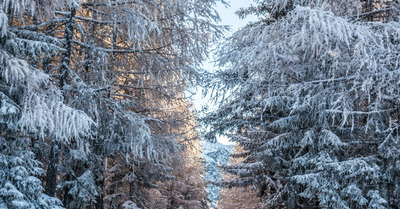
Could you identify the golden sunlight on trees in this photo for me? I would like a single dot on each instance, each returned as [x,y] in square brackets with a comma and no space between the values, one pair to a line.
[93,111]
[238,197]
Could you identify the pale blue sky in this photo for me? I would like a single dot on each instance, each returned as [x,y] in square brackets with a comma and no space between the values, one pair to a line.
[228,14]
[229,18]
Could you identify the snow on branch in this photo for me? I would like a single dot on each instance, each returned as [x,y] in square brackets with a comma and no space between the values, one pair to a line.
[48,117]
[37,8]
[338,6]
[3,24]
[15,70]
[9,110]
[42,110]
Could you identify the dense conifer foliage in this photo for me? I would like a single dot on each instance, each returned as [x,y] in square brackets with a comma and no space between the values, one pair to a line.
[312,96]
[92,111]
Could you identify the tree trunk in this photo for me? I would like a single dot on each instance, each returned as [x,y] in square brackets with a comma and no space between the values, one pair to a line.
[99,174]
[51,176]
[66,55]
[291,202]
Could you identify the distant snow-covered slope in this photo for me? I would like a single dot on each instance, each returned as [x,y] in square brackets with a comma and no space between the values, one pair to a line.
[215,155]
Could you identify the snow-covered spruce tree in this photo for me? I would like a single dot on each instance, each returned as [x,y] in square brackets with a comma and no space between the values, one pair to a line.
[30,38]
[32,109]
[312,96]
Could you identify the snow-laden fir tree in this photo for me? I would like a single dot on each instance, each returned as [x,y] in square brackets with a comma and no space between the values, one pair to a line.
[32,110]
[312,95]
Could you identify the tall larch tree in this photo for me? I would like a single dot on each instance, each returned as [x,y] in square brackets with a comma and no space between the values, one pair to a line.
[90,83]
[238,197]
[186,189]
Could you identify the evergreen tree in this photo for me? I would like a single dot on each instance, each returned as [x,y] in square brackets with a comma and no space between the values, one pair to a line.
[312,96]
[32,110]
